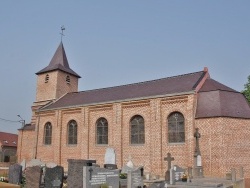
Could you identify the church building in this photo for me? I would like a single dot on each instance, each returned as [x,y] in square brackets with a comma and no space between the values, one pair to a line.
[144,121]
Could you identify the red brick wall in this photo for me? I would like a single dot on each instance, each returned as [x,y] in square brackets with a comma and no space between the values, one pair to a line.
[224,141]
[56,85]
[224,144]
[26,140]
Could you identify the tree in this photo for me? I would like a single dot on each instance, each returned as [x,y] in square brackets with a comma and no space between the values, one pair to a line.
[246,92]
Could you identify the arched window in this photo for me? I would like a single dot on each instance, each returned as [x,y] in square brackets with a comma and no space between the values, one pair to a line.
[46,78]
[176,128]
[72,132]
[47,133]
[68,79]
[102,131]
[137,131]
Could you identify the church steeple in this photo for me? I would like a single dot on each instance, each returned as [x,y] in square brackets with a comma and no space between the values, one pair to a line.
[56,79]
[59,62]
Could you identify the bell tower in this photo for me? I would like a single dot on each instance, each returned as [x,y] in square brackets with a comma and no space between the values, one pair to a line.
[56,79]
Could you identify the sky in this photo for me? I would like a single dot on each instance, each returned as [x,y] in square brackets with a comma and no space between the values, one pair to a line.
[115,42]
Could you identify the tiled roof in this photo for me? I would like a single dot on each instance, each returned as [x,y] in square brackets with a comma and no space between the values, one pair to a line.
[8,139]
[165,86]
[218,100]
[59,62]
[28,127]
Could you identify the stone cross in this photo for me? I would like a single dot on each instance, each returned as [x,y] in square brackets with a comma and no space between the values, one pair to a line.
[169,159]
[197,135]
[90,173]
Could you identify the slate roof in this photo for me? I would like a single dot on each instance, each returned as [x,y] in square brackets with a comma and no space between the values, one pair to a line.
[165,86]
[59,62]
[218,100]
[8,139]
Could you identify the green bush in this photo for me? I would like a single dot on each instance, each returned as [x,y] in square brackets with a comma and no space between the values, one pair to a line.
[123,176]
[104,185]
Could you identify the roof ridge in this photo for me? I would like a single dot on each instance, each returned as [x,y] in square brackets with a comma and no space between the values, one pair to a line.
[136,83]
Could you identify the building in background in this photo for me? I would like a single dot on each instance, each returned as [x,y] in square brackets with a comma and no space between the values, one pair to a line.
[8,147]
[143,120]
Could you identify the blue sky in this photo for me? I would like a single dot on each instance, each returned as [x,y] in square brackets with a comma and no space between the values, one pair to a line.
[116,42]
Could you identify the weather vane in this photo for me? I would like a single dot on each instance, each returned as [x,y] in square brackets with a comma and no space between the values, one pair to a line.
[62,28]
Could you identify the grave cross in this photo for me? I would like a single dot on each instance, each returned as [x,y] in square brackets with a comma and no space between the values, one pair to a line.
[197,135]
[90,173]
[169,159]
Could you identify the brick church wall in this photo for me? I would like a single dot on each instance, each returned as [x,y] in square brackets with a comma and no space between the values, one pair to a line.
[25,145]
[224,144]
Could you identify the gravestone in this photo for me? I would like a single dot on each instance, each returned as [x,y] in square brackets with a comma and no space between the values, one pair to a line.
[15,174]
[94,177]
[110,166]
[172,176]
[54,177]
[198,169]
[23,164]
[190,173]
[178,172]
[50,165]
[35,162]
[233,172]
[157,185]
[241,171]
[199,160]
[135,178]
[109,156]
[75,171]
[128,167]
[33,177]
[169,159]
[109,160]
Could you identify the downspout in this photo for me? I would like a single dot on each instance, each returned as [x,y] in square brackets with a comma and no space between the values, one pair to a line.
[37,131]
[60,139]
[20,152]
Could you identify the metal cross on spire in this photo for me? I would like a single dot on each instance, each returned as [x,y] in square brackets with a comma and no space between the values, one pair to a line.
[62,28]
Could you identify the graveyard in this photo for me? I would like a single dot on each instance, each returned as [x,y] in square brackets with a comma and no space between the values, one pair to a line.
[86,173]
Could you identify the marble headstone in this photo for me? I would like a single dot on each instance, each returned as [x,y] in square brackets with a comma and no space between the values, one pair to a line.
[33,176]
[35,162]
[15,174]
[54,177]
[94,177]
[109,156]
[199,160]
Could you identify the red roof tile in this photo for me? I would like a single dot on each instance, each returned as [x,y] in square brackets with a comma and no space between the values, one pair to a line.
[8,139]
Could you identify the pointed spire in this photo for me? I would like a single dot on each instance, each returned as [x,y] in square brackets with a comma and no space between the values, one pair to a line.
[59,62]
